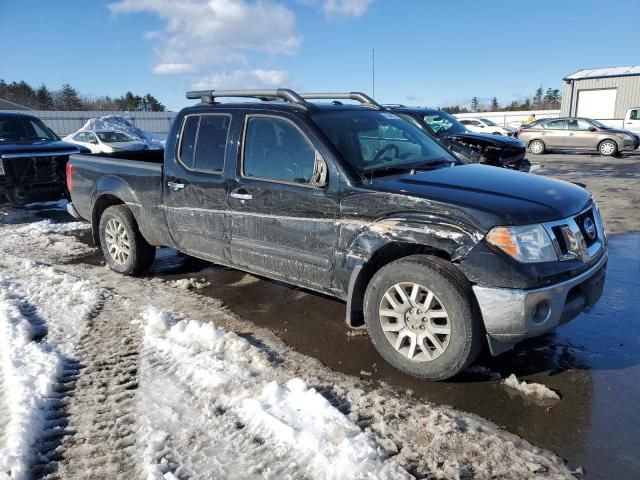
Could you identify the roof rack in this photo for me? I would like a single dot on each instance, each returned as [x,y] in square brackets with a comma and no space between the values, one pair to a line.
[284,94]
[400,105]
[357,96]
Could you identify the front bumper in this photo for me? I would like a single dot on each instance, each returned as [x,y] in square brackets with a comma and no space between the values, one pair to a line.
[512,315]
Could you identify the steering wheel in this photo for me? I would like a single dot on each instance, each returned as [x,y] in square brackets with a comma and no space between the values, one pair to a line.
[391,146]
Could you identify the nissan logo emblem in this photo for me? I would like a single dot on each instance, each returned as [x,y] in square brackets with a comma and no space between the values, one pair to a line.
[589,228]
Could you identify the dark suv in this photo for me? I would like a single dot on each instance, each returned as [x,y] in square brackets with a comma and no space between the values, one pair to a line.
[435,257]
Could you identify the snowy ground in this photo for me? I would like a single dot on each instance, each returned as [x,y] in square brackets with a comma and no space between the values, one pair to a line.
[104,376]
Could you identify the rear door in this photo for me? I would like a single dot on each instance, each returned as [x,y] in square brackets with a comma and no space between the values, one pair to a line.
[554,133]
[579,134]
[195,189]
[282,222]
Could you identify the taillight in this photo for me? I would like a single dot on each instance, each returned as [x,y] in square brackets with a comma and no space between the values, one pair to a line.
[69,176]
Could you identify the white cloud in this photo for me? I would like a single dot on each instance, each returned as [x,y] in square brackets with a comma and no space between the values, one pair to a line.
[172,68]
[205,37]
[233,79]
[345,8]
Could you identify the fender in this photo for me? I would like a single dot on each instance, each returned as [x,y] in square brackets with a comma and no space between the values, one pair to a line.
[387,239]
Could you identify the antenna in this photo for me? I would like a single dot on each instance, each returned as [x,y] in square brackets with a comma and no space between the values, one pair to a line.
[373,73]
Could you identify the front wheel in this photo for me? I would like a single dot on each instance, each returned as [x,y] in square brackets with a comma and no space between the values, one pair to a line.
[124,248]
[421,318]
[608,148]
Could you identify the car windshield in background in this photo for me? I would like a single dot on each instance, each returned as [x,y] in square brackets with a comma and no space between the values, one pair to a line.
[443,123]
[23,129]
[373,140]
[598,124]
[114,137]
[489,122]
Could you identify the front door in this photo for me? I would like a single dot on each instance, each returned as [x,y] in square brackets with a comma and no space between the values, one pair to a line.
[579,135]
[195,189]
[284,203]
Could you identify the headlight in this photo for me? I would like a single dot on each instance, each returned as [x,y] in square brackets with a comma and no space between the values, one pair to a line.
[527,244]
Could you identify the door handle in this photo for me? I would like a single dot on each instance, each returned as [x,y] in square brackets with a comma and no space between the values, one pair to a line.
[241,196]
[175,186]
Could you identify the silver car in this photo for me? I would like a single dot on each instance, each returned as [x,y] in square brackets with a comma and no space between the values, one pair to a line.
[573,133]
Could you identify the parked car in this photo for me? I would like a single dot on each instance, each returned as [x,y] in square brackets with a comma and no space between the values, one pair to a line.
[434,256]
[106,141]
[32,160]
[570,133]
[484,125]
[496,150]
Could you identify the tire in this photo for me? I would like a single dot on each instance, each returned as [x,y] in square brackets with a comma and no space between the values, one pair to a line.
[124,248]
[608,148]
[452,305]
[537,147]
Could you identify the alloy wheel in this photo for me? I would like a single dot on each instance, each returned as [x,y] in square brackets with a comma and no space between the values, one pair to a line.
[415,321]
[117,240]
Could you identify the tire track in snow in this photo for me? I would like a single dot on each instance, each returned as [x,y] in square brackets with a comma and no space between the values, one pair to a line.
[101,441]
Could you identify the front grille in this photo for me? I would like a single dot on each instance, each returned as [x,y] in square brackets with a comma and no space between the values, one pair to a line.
[577,237]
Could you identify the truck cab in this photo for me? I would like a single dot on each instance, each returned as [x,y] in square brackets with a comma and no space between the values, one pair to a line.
[434,257]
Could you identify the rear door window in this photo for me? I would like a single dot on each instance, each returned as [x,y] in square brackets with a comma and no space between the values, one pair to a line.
[554,125]
[212,142]
[188,140]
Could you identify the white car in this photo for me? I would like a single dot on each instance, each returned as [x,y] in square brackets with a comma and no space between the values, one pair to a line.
[484,125]
[106,141]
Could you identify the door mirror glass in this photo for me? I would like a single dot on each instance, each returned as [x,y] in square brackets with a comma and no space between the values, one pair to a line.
[593,129]
[319,175]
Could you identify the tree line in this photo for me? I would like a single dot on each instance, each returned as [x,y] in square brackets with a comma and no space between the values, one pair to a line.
[549,100]
[68,98]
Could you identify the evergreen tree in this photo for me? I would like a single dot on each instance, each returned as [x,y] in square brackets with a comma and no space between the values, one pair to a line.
[475,104]
[537,98]
[68,98]
[153,104]
[44,98]
[495,106]
[129,102]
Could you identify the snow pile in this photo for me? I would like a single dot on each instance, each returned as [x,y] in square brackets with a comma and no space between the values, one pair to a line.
[43,314]
[536,391]
[121,124]
[46,239]
[190,283]
[253,423]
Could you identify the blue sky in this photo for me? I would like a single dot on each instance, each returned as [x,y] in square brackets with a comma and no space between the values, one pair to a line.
[427,52]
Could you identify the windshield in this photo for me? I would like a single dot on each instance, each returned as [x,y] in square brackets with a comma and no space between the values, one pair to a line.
[114,137]
[598,124]
[442,123]
[489,122]
[374,140]
[15,128]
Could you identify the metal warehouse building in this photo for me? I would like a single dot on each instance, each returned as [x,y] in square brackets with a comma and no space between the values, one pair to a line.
[602,93]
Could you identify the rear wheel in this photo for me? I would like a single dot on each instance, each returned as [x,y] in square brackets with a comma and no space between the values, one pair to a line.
[608,148]
[124,248]
[421,318]
[537,147]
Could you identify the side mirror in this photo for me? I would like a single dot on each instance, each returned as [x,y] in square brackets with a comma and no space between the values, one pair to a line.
[320,171]
[481,126]
[593,129]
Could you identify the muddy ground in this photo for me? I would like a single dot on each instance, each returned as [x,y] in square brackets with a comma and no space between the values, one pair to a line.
[593,362]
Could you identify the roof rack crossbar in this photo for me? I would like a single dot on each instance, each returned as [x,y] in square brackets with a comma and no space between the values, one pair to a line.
[285,94]
[357,96]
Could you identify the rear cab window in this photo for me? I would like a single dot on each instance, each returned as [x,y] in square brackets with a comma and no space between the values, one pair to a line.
[203,141]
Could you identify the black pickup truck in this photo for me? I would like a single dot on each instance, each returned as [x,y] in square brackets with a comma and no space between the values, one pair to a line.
[435,257]
[32,160]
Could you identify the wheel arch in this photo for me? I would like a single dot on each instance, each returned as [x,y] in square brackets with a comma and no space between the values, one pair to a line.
[100,204]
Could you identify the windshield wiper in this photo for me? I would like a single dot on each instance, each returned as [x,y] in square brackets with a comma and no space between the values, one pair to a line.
[422,167]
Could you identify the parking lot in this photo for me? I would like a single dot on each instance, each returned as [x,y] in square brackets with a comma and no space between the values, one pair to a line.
[592,362]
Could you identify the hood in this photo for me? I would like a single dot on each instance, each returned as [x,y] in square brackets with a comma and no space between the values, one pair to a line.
[504,196]
[57,147]
[485,139]
[619,130]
